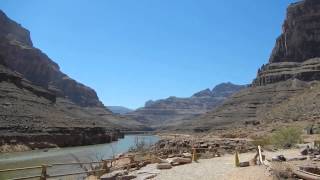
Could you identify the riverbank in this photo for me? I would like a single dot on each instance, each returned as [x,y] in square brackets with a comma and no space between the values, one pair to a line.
[56,137]
[170,159]
[67,155]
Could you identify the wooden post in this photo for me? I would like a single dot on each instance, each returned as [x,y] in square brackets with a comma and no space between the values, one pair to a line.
[194,155]
[236,159]
[105,166]
[44,172]
[260,155]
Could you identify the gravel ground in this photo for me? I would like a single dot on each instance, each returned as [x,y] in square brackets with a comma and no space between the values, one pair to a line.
[222,168]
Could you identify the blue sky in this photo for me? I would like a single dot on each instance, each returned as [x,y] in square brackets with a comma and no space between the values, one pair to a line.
[131,51]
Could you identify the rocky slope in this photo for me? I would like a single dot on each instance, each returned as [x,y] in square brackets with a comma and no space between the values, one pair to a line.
[42,107]
[286,88]
[34,116]
[173,110]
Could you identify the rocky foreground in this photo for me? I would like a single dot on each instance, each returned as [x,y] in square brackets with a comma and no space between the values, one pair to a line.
[173,158]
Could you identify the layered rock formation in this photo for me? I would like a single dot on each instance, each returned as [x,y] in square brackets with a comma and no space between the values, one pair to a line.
[300,39]
[40,106]
[34,116]
[308,70]
[283,87]
[19,54]
[173,110]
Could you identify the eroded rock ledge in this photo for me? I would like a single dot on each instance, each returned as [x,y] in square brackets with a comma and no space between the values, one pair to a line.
[281,71]
[58,137]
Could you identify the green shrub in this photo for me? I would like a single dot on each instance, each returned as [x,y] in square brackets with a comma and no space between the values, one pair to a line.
[286,137]
[261,141]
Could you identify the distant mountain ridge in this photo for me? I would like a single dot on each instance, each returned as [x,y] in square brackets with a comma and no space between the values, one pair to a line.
[172,110]
[119,109]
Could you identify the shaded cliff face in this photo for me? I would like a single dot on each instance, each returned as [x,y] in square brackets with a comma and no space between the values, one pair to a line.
[42,107]
[283,87]
[300,39]
[27,108]
[171,111]
[19,54]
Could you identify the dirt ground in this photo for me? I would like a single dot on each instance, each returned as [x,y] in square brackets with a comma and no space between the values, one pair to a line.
[223,168]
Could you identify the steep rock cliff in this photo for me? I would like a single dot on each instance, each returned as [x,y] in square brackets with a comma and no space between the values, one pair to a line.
[283,88]
[19,54]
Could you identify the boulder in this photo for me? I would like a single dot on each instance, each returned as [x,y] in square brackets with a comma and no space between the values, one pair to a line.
[187,155]
[244,164]
[164,166]
[159,160]
[126,177]
[123,162]
[179,160]
[305,151]
[149,169]
[113,175]
[279,158]
[297,159]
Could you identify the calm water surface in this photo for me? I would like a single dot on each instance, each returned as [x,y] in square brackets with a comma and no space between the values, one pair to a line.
[59,155]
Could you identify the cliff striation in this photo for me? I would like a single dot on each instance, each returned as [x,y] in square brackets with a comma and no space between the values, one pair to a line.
[17,50]
[42,107]
[283,88]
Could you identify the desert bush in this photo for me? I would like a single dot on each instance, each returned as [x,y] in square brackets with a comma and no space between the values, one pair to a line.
[286,137]
[140,145]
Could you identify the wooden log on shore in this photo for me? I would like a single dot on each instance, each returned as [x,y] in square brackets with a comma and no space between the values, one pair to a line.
[306,175]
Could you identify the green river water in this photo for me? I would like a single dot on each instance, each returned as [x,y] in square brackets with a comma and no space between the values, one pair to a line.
[63,155]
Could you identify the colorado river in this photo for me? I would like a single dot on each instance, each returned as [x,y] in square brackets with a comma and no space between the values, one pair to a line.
[63,155]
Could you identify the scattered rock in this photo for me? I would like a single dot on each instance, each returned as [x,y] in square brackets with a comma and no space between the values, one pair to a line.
[305,151]
[297,159]
[146,176]
[187,155]
[113,175]
[180,160]
[164,166]
[126,177]
[244,164]
[123,162]
[279,158]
